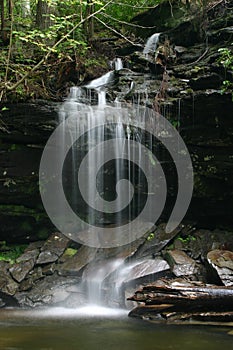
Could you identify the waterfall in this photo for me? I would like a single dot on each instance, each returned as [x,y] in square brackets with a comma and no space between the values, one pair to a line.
[151,44]
[113,187]
[118,202]
[102,81]
[118,64]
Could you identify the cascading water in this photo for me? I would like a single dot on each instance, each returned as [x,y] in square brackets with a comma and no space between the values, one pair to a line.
[109,176]
[151,45]
[118,64]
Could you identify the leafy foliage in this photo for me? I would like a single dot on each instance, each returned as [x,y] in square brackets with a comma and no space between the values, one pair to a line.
[226,59]
[11,253]
[39,35]
[64,36]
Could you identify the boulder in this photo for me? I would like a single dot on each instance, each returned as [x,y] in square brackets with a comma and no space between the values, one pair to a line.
[53,248]
[73,265]
[49,291]
[181,264]
[20,270]
[222,262]
[142,271]
[7,284]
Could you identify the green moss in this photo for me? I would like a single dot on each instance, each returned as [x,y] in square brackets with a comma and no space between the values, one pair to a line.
[186,239]
[150,236]
[70,252]
[20,210]
[15,147]
[11,253]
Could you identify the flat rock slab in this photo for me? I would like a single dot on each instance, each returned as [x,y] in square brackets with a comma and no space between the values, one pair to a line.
[123,252]
[49,291]
[73,265]
[142,270]
[222,262]
[181,264]
[28,255]
[7,284]
[159,240]
[20,270]
[53,248]
[112,236]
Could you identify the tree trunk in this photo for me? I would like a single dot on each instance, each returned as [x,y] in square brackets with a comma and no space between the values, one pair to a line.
[89,24]
[2,19]
[43,10]
[5,32]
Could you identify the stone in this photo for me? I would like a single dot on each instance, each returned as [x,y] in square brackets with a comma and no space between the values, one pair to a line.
[49,291]
[32,278]
[128,275]
[28,255]
[20,270]
[222,262]
[181,264]
[142,271]
[74,264]
[53,248]
[159,239]
[46,257]
[7,284]
[48,269]
[125,252]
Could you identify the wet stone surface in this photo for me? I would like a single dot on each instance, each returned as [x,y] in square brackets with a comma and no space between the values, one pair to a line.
[181,264]
[222,262]
[53,248]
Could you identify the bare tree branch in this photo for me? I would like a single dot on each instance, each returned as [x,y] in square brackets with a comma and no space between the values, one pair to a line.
[126,23]
[118,33]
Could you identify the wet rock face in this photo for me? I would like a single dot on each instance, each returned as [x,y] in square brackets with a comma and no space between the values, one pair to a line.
[53,248]
[146,270]
[19,271]
[24,129]
[181,264]
[222,262]
[34,280]
[73,265]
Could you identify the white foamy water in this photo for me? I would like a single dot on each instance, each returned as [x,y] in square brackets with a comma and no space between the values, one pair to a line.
[151,44]
[90,310]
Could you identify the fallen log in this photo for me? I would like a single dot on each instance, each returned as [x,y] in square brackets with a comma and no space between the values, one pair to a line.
[173,297]
[162,314]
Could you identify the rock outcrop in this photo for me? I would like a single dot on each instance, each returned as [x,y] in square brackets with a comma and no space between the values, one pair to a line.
[68,272]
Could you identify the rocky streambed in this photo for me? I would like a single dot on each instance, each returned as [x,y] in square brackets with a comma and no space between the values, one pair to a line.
[58,272]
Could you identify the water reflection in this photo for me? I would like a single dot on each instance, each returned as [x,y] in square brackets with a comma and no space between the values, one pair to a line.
[60,330]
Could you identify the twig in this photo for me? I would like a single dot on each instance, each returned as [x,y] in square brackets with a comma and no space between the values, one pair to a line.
[118,33]
[171,8]
[135,6]
[127,23]
[199,58]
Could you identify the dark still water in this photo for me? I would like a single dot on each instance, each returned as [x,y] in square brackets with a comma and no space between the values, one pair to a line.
[60,329]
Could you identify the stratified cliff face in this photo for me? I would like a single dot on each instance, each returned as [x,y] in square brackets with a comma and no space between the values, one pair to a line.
[182,80]
[24,130]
